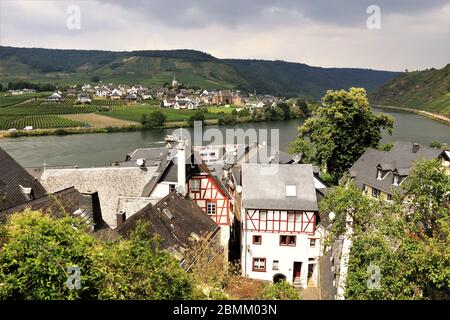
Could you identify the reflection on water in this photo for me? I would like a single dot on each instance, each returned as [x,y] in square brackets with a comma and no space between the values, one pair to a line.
[101,149]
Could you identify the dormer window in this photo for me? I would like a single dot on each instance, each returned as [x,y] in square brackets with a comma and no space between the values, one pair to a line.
[379,174]
[291,190]
[397,179]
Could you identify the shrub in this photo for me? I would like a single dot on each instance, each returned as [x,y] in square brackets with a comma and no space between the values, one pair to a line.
[280,291]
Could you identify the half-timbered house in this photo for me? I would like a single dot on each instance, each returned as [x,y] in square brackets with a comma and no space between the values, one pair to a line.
[279,213]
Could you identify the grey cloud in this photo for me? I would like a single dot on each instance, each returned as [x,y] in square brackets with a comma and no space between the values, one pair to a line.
[201,13]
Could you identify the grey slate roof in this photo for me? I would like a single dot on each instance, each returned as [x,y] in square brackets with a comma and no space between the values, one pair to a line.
[264,186]
[399,159]
[12,177]
[68,202]
[175,219]
[110,183]
[265,154]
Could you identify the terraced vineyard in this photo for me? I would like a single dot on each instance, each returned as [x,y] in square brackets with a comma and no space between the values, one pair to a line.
[33,108]
[107,102]
[37,122]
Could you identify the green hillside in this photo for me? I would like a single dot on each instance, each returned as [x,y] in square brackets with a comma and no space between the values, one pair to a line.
[193,68]
[427,90]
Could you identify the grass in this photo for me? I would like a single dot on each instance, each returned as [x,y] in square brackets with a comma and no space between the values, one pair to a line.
[135,113]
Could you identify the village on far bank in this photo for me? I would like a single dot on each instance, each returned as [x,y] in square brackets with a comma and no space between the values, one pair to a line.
[174,95]
[121,106]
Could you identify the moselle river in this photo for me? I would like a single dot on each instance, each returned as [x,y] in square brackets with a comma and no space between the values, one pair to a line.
[86,150]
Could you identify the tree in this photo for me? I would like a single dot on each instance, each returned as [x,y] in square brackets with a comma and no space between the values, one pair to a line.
[408,240]
[198,115]
[156,119]
[344,128]
[36,251]
[138,269]
[95,79]
[1,87]
[303,106]
[286,109]
[144,120]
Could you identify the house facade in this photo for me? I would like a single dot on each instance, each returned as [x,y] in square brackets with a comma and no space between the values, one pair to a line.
[279,216]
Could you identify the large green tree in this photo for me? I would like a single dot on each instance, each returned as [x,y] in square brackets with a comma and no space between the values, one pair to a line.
[37,251]
[341,130]
[408,239]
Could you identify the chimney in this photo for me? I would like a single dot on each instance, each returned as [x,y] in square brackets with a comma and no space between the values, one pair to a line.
[415,147]
[181,161]
[121,217]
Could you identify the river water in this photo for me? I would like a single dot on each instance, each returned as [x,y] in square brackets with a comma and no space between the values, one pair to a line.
[86,150]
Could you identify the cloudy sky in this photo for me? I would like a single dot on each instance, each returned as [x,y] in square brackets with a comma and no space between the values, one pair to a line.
[413,34]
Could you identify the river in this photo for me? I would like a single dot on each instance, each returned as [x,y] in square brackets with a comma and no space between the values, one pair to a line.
[99,149]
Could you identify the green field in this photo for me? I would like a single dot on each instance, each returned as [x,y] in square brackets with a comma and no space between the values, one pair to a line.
[38,122]
[36,112]
[134,113]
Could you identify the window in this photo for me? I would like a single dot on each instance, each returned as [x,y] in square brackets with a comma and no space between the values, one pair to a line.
[171,187]
[365,188]
[397,180]
[389,197]
[375,192]
[259,264]
[291,190]
[262,214]
[379,174]
[257,239]
[312,243]
[210,208]
[275,265]
[287,241]
[195,185]
[291,216]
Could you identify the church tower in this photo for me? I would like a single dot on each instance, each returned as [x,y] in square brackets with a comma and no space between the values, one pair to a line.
[174,82]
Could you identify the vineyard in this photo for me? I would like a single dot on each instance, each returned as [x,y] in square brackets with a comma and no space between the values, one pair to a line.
[107,102]
[37,122]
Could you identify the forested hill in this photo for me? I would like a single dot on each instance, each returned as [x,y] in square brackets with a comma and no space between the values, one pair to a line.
[424,90]
[193,68]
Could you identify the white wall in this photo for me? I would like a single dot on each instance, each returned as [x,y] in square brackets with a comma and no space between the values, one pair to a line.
[161,190]
[286,256]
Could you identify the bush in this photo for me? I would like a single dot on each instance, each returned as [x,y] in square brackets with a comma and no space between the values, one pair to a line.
[199,115]
[436,144]
[280,291]
[36,251]
[156,119]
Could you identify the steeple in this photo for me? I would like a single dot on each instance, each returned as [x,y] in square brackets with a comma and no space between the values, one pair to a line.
[174,81]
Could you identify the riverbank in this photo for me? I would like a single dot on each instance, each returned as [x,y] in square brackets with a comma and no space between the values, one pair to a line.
[83,130]
[431,115]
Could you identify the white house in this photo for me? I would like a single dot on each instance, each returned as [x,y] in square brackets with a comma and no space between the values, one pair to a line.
[55,97]
[183,104]
[279,213]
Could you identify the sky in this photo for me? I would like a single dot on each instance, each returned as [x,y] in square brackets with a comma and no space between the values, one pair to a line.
[394,35]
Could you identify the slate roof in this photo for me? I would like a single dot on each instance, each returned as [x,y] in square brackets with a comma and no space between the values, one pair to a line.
[67,202]
[265,154]
[110,183]
[12,177]
[399,159]
[264,186]
[175,219]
